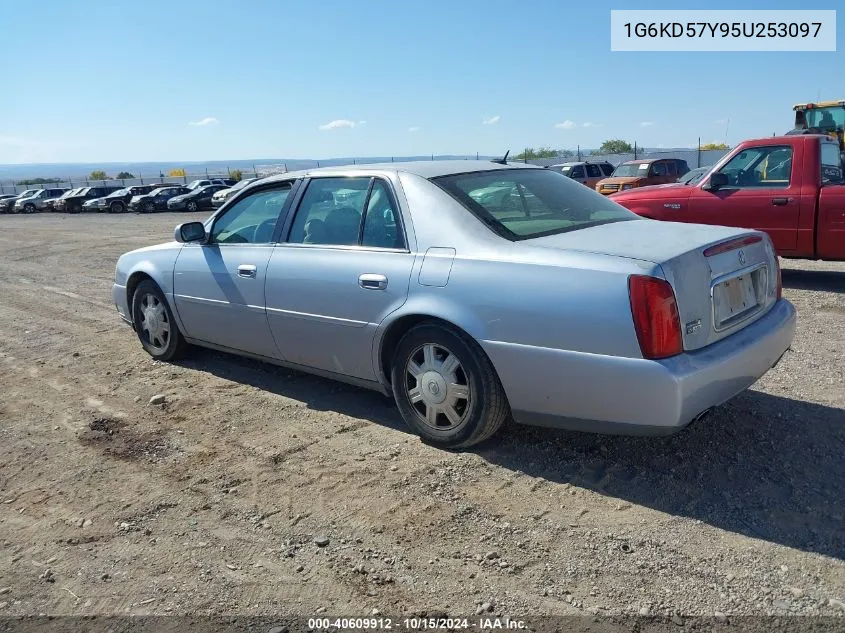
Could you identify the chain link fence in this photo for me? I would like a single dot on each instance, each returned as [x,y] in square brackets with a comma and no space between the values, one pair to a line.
[694,157]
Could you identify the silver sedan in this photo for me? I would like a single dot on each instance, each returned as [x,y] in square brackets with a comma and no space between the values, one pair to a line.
[472,292]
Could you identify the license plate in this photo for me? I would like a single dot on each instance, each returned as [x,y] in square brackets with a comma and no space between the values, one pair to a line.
[733,298]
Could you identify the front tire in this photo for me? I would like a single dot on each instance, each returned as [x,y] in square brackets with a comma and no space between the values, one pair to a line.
[29,208]
[149,207]
[154,323]
[446,388]
[191,206]
[117,207]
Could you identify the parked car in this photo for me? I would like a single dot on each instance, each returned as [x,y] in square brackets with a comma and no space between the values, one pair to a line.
[228,182]
[198,198]
[7,205]
[118,201]
[6,196]
[221,196]
[641,173]
[156,200]
[791,187]
[694,175]
[73,203]
[444,300]
[586,172]
[37,201]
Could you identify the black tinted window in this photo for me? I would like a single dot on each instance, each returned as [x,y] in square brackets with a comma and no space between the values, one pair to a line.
[525,203]
[593,171]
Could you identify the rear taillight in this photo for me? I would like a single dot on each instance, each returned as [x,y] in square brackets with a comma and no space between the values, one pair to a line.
[656,319]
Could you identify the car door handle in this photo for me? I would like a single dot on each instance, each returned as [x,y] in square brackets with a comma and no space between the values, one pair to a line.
[247,271]
[372,282]
[779,202]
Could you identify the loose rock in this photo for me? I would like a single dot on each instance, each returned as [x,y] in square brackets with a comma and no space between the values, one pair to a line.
[321,541]
[158,399]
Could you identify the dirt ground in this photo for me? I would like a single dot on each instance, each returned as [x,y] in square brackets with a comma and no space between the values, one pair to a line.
[257,490]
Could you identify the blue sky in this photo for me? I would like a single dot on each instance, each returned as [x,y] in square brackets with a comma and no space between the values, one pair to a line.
[108,80]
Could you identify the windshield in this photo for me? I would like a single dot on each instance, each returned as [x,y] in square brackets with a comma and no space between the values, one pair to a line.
[525,203]
[243,183]
[826,118]
[631,169]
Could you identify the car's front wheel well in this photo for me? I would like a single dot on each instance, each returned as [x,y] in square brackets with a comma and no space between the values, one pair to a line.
[132,284]
[395,332]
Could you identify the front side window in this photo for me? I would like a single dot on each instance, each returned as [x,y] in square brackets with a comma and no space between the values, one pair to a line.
[769,166]
[526,203]
[658,169]
[593,171]
[251,220]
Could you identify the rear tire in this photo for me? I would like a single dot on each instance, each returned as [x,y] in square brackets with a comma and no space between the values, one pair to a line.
[446,388]
[154,323]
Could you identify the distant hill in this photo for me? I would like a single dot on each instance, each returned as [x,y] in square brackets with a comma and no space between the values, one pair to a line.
[77,171]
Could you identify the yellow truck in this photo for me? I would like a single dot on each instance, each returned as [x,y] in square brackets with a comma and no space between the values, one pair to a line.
[826,117]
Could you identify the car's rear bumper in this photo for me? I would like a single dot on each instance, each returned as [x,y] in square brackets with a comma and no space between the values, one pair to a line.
[608,394]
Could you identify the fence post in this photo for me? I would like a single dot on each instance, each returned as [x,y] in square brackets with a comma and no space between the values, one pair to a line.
[699,153]
[635,150]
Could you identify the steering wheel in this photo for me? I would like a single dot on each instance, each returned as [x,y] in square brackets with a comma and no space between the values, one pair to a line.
[262,230]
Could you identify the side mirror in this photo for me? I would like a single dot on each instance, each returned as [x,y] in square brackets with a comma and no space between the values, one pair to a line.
[716,181]
[190,232]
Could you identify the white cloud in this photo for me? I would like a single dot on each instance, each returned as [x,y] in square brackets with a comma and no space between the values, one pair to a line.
[589,124]
[209,120]
[566,125]
[492,120]
[414,129]
[338,123]
[721,121]
[646,123]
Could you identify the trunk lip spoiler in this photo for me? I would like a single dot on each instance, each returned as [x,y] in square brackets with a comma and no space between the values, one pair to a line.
[732,245]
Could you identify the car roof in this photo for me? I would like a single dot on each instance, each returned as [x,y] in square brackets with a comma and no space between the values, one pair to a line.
[422,168]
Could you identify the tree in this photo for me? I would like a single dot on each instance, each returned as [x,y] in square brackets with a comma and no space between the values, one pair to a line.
[98,174]
[530,153]
[178,171]
[236,174]
[124,175]
[615,146]
[715,146]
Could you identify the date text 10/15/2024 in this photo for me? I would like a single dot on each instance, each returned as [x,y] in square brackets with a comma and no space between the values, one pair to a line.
[415,624]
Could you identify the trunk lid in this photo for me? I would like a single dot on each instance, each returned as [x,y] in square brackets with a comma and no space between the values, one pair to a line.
[724,278]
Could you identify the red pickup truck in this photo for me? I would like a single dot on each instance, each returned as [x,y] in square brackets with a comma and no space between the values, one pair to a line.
[791,187]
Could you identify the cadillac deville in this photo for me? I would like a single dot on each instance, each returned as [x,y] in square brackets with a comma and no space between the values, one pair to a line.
[473,293]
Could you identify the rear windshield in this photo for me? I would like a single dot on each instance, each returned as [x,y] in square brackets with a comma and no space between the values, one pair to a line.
[521,204]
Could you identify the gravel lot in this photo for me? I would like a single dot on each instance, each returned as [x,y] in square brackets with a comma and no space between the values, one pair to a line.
[256,490]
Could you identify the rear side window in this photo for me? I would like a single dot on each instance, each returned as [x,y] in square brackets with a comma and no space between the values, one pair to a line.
[525,203]
[577,172]
[348,212]
[831,164]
